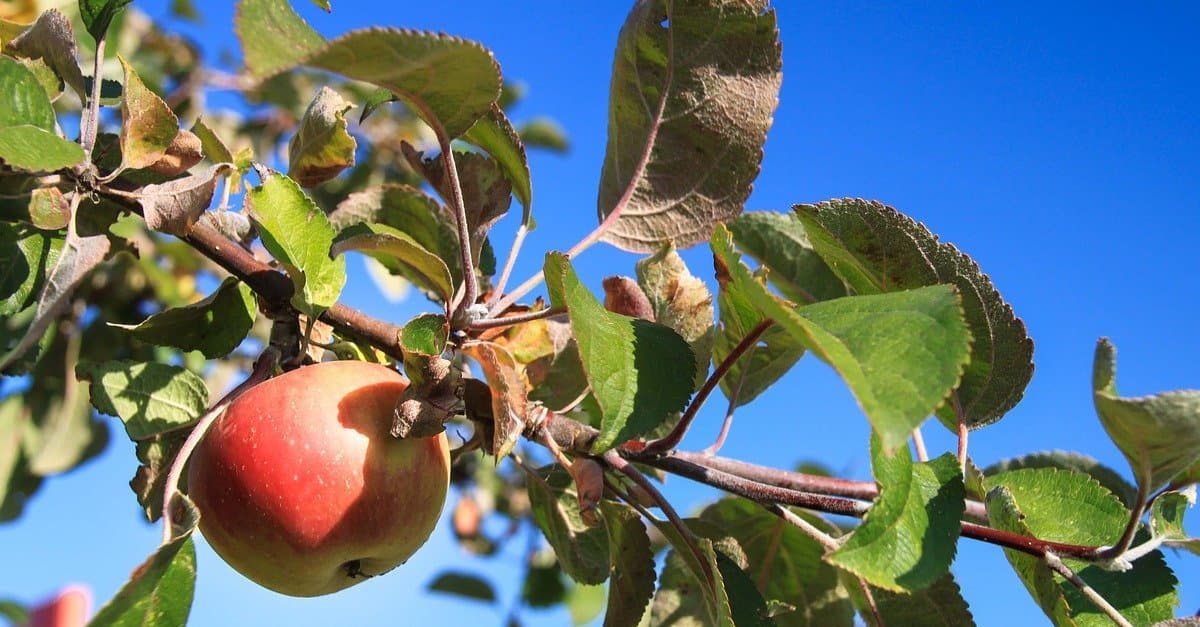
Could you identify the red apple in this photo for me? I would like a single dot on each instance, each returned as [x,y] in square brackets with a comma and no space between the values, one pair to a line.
[68,608]
[302,489]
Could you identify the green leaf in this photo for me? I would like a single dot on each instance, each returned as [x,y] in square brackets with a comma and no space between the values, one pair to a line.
[296,232]
[448,82]
[778,242]
[16,613]
[1166,515]
[322,147]
[13,421]
[25,101]
[772,356]
[585,603]
[582,550]
[1158,434]
[544,133]
[486,193]
[900,353]
[406,209]
[1071,507]
[939,605]
[675,149]
[26,256]
[909,536]
[494,133]
[632,562]
[875,248]
[464,585]
[396,249]
[148,125]
[1077,462]
[640,372]
[680,301]
[52,40]
[98,14]
[686,596]
[214,326]
[85,248]
[785,563]
[149,398]
[32,149]
[543,586]
[160,590]
[274,38]
[212,146]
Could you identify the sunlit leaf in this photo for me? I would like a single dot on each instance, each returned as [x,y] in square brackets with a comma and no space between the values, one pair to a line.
[909,536]
[160,590]
[875,248]
[640,372]
[777,241]
[148,124]
[495,134]
[1066,460]
[322,147]
[214,326]
[406,209]
[149,398]
[26,103]
[1159,434]
[694,86]
[212,145]
[274,38]
[32,149]
[49,209]
[297,233]
[900,353]
[1067,506]
[395,249]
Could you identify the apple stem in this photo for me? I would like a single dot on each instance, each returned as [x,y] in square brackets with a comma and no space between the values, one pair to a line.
[263,368]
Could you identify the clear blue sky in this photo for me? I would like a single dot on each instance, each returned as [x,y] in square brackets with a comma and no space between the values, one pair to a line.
[1058,144]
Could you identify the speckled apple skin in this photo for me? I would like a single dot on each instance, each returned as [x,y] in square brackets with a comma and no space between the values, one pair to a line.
[302,489]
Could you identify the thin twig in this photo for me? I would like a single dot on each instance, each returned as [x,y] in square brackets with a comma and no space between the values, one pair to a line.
[829,542]
[865,588]
[506,273]
[262,370]
[91,121]
[1131,527]
[460,218]
[672,439]
[730,409]
[624,467]
[1100,602]
[919,445]
[492,323]
[963,431]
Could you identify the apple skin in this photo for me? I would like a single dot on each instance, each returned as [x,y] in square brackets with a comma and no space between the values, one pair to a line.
[302,489]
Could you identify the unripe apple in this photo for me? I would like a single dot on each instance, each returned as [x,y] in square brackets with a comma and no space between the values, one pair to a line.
[302,489]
